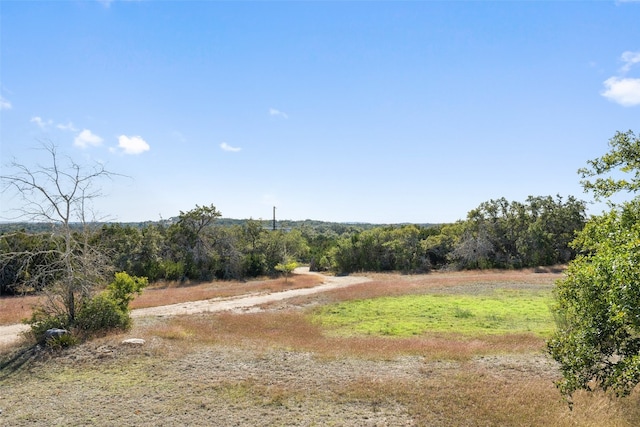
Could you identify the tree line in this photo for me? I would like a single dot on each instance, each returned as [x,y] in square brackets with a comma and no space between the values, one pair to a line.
[194,246]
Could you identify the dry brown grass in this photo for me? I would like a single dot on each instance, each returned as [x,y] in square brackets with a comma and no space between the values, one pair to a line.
[292,329]
[277,368]
[15,309]
[473,396]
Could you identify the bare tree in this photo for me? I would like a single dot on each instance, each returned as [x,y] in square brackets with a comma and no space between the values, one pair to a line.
[60,194]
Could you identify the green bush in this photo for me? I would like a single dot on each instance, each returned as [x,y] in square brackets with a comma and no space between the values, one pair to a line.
[124,288]
[102,313]
[41,322]
[63,341]
[173,270]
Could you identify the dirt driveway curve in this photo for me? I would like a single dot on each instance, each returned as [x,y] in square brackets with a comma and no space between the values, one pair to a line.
[11,333]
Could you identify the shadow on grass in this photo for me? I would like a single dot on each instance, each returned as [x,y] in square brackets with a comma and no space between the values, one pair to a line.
[12,363]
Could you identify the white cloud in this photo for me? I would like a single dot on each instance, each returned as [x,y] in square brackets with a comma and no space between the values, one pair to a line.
[278,113]
[5,104]
[69,126]
[132,144]
[87,138]
[41,123]
[227,147]
[629,58]
[624,91]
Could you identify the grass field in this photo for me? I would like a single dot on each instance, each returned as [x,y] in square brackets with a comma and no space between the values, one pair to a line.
[290,366]
[499,312]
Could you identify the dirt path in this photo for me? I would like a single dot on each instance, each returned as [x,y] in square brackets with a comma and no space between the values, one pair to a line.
[11,333]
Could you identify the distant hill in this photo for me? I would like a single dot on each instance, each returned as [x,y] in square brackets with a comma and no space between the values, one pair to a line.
[338,227]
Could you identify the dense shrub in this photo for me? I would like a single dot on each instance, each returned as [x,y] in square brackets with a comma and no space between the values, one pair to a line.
[62,341]
[41,321]
[103,312]
[100,314]
[124,288]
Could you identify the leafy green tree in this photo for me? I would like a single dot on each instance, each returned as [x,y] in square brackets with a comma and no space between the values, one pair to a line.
[440,241]
[192,241]
[502,234]
[150,255]
[122,244]
[624,158]
[385,248]
[598,302]
[225,259]
[278,246]
[320,243]
[254,260]
[551,225]
[598,306]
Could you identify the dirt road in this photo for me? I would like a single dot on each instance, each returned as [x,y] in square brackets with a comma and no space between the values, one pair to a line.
[11,333]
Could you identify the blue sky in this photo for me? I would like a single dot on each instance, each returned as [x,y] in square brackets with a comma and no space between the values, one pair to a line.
[382,112]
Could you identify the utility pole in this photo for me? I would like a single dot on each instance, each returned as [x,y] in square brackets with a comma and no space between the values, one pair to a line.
[274,218]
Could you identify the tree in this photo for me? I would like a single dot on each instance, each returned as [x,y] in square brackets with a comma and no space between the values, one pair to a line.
[23,257]
[513,234]
[278,246]
[192,238]
[439,242]
[251,236]
[60,193]
[623,156]
[597,306]
[286,267]
[121,243]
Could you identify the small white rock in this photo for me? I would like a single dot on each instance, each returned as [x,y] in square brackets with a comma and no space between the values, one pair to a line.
[134,341]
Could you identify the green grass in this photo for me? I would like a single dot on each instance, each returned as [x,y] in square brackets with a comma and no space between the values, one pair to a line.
[500,312]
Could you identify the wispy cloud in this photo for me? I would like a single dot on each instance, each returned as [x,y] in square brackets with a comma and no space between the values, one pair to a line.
[278,113]
[42,124]
[630,59]
[132,144]
[5,104]
[87,138]
[624,90]
[227,147]
[105,3]
[69,126]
